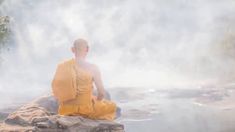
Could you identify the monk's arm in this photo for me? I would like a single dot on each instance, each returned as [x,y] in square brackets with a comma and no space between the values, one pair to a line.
[98,83]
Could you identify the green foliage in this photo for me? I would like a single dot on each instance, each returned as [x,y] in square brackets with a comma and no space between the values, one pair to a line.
[4,31]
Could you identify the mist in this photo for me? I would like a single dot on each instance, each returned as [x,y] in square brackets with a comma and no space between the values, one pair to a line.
[153,44]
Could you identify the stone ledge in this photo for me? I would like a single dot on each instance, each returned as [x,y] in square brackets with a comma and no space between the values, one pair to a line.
[40,115]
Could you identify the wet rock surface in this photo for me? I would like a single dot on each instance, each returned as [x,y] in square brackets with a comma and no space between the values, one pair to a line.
[41,115]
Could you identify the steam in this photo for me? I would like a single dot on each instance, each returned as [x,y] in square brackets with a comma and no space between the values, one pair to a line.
[151,43]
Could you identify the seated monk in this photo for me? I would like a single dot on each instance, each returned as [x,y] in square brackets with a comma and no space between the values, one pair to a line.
[72,86]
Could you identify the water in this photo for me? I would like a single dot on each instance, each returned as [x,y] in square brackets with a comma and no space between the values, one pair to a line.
[178,110]
[163,111]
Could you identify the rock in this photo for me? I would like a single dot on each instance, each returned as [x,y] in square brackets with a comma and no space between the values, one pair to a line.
[41,115]
[49,103]
[6,111]
[222,98]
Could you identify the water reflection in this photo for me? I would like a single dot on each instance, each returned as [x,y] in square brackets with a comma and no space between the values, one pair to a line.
[177,110]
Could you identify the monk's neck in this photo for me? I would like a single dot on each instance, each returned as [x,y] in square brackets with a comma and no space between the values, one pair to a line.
[80,59]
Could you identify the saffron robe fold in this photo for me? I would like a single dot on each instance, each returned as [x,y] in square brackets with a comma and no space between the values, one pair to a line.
[73,87]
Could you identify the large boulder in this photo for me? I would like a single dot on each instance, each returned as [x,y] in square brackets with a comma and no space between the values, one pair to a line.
[41,115]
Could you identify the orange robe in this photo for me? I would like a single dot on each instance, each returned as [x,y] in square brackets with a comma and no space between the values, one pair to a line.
[73,89]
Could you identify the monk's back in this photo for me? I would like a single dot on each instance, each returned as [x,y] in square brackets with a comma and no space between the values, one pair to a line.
[87,66]
[85,103]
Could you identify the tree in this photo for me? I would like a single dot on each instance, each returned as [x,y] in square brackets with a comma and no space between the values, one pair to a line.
[4,31]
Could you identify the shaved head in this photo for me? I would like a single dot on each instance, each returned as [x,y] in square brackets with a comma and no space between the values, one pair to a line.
[80,47]
[80,44]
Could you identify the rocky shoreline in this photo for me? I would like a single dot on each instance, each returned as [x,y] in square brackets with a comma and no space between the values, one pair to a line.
[142,110]
[41,115]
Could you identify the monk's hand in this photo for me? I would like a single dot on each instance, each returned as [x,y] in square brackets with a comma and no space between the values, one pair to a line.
[100,95]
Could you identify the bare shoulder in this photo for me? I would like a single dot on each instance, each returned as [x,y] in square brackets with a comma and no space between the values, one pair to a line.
[94,68]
